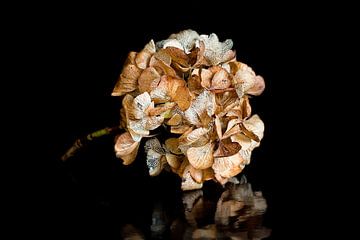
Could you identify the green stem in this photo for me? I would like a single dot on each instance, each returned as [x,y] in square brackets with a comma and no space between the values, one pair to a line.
[81,142]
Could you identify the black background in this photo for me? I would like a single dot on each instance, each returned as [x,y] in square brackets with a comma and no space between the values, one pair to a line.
[81,52]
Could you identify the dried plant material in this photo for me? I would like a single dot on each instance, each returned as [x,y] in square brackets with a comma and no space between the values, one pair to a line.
[227,148]
[127,81]
[227,167]
[208,174]
[173,161]
[148,80]
[155,162]
[196,174]
[126,148]
[143,58]
[172,144]
[176,119]
[201,157]
[193,86]
[188,183]
[217,52]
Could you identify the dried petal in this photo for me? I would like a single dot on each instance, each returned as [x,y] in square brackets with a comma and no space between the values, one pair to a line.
[180,129]
[155,145]
[258,87]
[201,157]
[127,81]
[172,144]
[205,102]
[196,174]
[126,148]
[182,97]
[177,56]
[221,80]
[148,80]
[176,119]
[228,167]
[208,174]
[143,57]
[217,52]
[173,160]
[155,162]
[227,148]
[188,183]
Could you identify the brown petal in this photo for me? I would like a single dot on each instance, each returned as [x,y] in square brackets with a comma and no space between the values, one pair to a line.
[127,81]
[208,174]
[172,144]
[158,110]
[126,148]
[182,97]
[196,174]
[163,68]
[227,148]
[232,128]
[180,129]
[205,77]
[177,55]
[201,157]
[188,183]
[143,57]
[249,133]
[243,140]
[176,119]
[148,80]
[245,107]
[194,84]
[173,160]
[218,127]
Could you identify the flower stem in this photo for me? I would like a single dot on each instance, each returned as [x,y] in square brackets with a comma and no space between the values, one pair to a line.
[82,142]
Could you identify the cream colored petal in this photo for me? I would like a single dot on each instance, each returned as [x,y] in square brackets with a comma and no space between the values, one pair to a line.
[126,148]
[188,183]
[243,140]
[218,127]
[255,125]
[220,80]
[154,162]
[201,157]
[151,123]
[228,166]
[140,104]
[205,102]
[258,87]
[186,38]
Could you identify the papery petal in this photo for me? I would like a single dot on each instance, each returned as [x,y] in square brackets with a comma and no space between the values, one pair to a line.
[201,157]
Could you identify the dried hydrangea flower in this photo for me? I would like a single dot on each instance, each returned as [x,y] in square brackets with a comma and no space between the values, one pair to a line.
[193,86]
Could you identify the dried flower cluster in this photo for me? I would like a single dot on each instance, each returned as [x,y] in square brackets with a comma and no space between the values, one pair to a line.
[192,85]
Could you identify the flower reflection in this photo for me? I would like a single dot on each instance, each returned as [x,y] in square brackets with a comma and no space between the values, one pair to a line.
[236,214]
